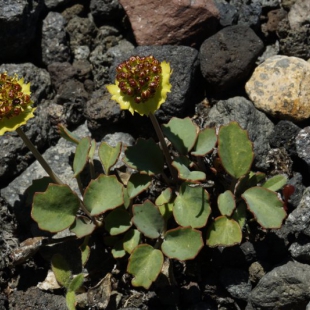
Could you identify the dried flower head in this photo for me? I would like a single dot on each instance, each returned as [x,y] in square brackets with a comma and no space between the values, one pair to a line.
[141,85]
[15,103]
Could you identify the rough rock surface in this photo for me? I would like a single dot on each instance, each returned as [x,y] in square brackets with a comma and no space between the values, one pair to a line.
[284,135]
[171,22]
[256,123]
[299,220]
[228,57]
[303,144]
[299,14]
[55,46]
[280,87]
[294,42]
[285,287]
[18,24]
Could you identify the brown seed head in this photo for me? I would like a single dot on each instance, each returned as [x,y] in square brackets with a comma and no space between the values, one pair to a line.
[139,77]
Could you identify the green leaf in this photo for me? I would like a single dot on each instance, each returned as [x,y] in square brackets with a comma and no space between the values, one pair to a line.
[145,264]
[276,182]
[182,243]
[55,209]
[108,155]
[235,150]
[102,194]
[85,251]
[148,219]
[265,206]
[166,210]
[70,300]
[127,200]
[92,149]
[61,270]
[118,250]
[164,197]
[137,184]
[249,180]
[81,155]
[117,221]
[224,232]
[205,142]
[68,135]
[185,174]
[145,156]
[82,227]
[226,203]
[240,214]
[76,283]
[131,240]
[182,133]
[191,206]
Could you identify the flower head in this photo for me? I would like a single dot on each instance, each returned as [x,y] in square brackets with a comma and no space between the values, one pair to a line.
[15,103]
[141,84]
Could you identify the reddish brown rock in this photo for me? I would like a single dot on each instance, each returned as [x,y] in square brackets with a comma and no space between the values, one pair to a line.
[159,22]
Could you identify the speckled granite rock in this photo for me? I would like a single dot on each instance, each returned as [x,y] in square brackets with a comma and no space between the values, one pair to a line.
[280,87]
[171,22]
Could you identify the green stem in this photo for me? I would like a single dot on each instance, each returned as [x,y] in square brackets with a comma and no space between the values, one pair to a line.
[163,146]
[39,157]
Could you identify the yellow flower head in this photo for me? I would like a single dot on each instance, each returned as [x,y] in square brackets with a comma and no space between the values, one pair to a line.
[141,84]
[15,103]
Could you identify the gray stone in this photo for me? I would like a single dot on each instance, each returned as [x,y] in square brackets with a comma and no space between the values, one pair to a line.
[82,31]
[52,4]
[270,3]
[101,112]
[108,45]
[187,88]
[285,287]
[284,135]
[255,122]
[40,80]
[300,252]
[299,220]
[249,12]
[299,14]
[55,46]
[294,42]
[299,189]
[228,57]
[105,10]
[236,282]
[81,52]
[18,23]
[228,13]
[73,96]
[61,72]
[303,145]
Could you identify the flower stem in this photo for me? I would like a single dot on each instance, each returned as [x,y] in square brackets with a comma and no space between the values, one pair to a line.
[163,146]
[39,157]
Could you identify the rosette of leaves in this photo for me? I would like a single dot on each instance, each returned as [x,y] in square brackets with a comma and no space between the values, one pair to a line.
[171,226]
